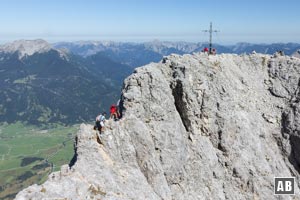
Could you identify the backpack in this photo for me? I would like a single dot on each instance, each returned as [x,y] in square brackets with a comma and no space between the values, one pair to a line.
[100,118]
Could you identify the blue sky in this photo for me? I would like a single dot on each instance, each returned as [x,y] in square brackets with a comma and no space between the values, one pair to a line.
[255,21]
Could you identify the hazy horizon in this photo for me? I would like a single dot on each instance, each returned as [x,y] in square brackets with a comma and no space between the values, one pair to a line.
[134,40]
[137,21]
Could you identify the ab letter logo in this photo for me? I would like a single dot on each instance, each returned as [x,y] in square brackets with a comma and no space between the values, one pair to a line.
[284,185]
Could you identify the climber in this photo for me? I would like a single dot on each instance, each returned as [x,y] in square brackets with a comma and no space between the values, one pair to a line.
[281,53]
[120,108]
[213,51]
[100,120]
[205,50]
[114,112]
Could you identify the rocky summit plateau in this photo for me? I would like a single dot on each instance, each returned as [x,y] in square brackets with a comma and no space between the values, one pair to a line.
[193,127]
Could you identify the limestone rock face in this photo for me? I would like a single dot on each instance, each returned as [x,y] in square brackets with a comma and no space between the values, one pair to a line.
[193,127]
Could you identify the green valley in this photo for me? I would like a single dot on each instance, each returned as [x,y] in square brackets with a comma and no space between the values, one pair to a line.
[28,154]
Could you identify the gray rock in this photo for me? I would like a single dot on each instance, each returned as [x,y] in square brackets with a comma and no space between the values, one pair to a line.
[194,127]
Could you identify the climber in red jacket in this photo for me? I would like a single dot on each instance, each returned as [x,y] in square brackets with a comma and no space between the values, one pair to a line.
[114,112]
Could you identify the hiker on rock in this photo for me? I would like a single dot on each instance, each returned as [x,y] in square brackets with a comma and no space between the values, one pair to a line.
[281,53]
[213,51]
[205,50]
[100,120]
[114,112]
[120,108]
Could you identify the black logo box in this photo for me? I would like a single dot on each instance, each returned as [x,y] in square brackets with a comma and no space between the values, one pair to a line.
[284,185]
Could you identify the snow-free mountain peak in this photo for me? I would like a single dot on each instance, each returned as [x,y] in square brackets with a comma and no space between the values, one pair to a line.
[26,47]
[193,127]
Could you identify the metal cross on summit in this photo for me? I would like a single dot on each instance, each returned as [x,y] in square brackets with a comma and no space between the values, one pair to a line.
[210,31]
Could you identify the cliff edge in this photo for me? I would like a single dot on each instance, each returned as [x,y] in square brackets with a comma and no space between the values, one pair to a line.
[194,127]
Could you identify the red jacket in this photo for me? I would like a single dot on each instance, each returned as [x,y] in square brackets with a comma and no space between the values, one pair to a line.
[113,109]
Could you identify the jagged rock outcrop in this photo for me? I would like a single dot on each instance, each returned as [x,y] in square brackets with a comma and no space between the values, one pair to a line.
[194,127]
[296,54]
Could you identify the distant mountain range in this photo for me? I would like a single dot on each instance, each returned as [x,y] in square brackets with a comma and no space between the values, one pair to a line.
[70,82]
[40,84]
[138,54]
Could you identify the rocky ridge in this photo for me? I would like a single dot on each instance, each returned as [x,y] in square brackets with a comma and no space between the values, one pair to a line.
[29,47]
[194,127]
